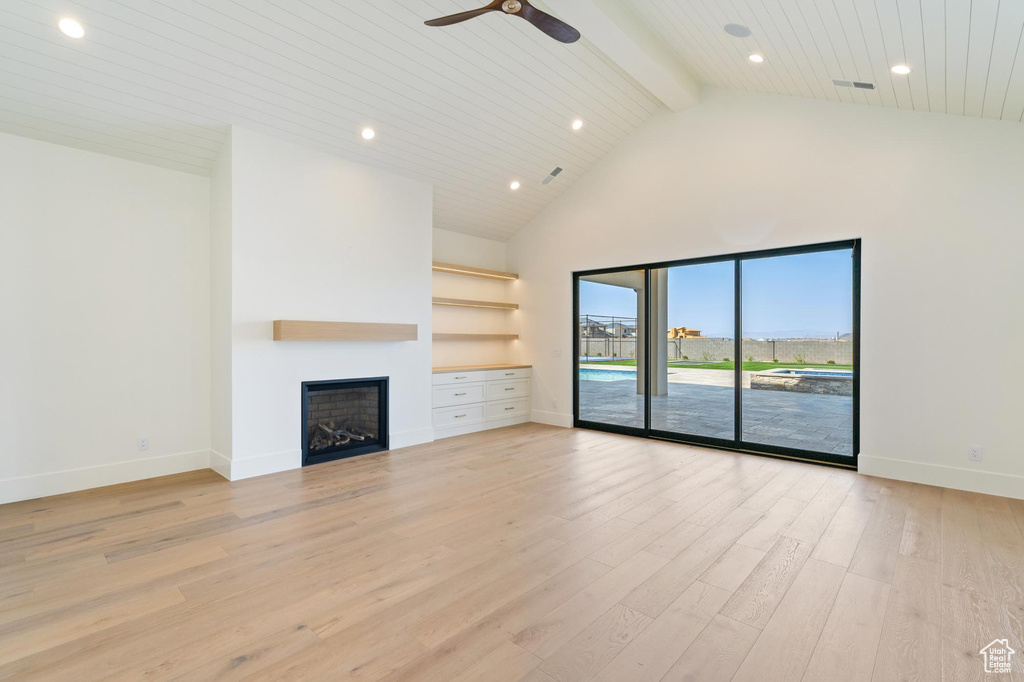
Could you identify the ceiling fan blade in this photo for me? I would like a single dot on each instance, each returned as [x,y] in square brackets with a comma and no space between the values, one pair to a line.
[556,28]
[463,16]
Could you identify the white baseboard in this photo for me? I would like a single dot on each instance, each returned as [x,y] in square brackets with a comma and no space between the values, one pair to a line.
[989,483]
[73,480]
[261,465]
[236,469]
[221,464]
[552,418]
[404,439]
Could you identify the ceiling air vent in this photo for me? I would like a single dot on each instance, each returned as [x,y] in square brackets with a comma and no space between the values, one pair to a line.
[860,85]
[551,176]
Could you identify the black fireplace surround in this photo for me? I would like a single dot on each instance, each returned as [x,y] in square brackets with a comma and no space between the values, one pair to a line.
[343,418]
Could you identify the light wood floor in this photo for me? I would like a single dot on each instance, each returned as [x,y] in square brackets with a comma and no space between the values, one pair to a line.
[530,553]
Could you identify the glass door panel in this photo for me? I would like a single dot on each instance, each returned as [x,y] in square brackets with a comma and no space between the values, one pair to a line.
[798,352]
[693,350]
[609,345]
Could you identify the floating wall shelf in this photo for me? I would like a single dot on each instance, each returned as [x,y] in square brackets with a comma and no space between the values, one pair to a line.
[305,330]
[473,272]
[471,368]
[465,303]
[475,337]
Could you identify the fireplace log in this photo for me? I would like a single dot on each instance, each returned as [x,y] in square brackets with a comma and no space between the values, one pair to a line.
[336,437]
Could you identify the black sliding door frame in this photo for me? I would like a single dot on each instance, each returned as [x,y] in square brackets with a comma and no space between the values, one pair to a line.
[601,426]
[737,443]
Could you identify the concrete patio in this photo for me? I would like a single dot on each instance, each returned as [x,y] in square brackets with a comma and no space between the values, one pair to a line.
[701,403]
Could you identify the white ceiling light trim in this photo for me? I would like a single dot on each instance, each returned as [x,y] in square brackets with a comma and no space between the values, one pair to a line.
[71,28]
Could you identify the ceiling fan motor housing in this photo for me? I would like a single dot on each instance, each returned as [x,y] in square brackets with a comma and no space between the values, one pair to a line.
[511,6]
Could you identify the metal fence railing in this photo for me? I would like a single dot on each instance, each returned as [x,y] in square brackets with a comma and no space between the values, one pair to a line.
[603,337]
[607,336]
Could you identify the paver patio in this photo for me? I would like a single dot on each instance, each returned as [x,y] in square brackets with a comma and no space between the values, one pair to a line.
[822,423]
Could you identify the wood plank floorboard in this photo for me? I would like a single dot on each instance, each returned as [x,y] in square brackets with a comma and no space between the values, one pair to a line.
[530,553]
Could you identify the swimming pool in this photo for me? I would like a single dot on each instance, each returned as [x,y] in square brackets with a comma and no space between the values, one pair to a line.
[822,382]
[607,375]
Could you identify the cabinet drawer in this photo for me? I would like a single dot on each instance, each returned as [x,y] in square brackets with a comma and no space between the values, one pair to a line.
[507,390]
[459,377]
[458,394]
[456,416]
[507,408]
[506,374]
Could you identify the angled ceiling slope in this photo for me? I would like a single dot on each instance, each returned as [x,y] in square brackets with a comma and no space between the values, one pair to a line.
[468,108]
[965,56]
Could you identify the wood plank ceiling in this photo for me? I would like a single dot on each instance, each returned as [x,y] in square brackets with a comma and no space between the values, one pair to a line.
[471,107]
[468,108]
[965,55]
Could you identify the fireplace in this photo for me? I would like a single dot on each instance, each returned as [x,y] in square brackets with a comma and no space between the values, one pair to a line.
[343,418]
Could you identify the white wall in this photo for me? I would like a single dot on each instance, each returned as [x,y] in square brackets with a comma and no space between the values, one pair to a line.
[220,311]
[104,301]
[938,201]
[464,249]
[316,237]
[461,249]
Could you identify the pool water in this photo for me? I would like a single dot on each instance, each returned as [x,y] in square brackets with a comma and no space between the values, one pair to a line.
[812,373]
[607,375]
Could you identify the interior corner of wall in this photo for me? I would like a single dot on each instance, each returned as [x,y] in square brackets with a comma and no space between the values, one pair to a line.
[221,464]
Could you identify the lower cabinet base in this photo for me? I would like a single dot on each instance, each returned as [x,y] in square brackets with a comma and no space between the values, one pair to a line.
[462,429]
[471,401]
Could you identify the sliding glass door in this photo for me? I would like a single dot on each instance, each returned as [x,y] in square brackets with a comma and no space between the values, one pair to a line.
[798,346]
[610,363]
[692,389]
[755,351]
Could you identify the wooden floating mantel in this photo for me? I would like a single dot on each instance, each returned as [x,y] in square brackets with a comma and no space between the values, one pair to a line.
[305,330]
[466,303]
[475,337]
[472,271]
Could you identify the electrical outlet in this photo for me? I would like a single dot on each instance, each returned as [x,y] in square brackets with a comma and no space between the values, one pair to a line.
[974,453]
[143,443]
[554,404]
[556,352]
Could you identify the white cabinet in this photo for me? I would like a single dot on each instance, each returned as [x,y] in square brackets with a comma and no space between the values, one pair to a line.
[475,400]
[456,394]
[506,374]
[507,390]
[443,378]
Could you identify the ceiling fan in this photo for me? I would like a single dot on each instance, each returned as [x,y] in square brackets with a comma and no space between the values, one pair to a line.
[556,28]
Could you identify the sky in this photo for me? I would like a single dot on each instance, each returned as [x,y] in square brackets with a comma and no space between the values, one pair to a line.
[801,296]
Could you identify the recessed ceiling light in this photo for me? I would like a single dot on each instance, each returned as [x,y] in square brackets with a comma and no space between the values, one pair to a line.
[577,124]
[368,133]
[756,58]
[737,30]
[900,69]
[514,185]
[71,28]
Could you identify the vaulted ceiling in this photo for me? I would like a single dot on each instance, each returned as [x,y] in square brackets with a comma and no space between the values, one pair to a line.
[471,107]
[965,55]
[468,108]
